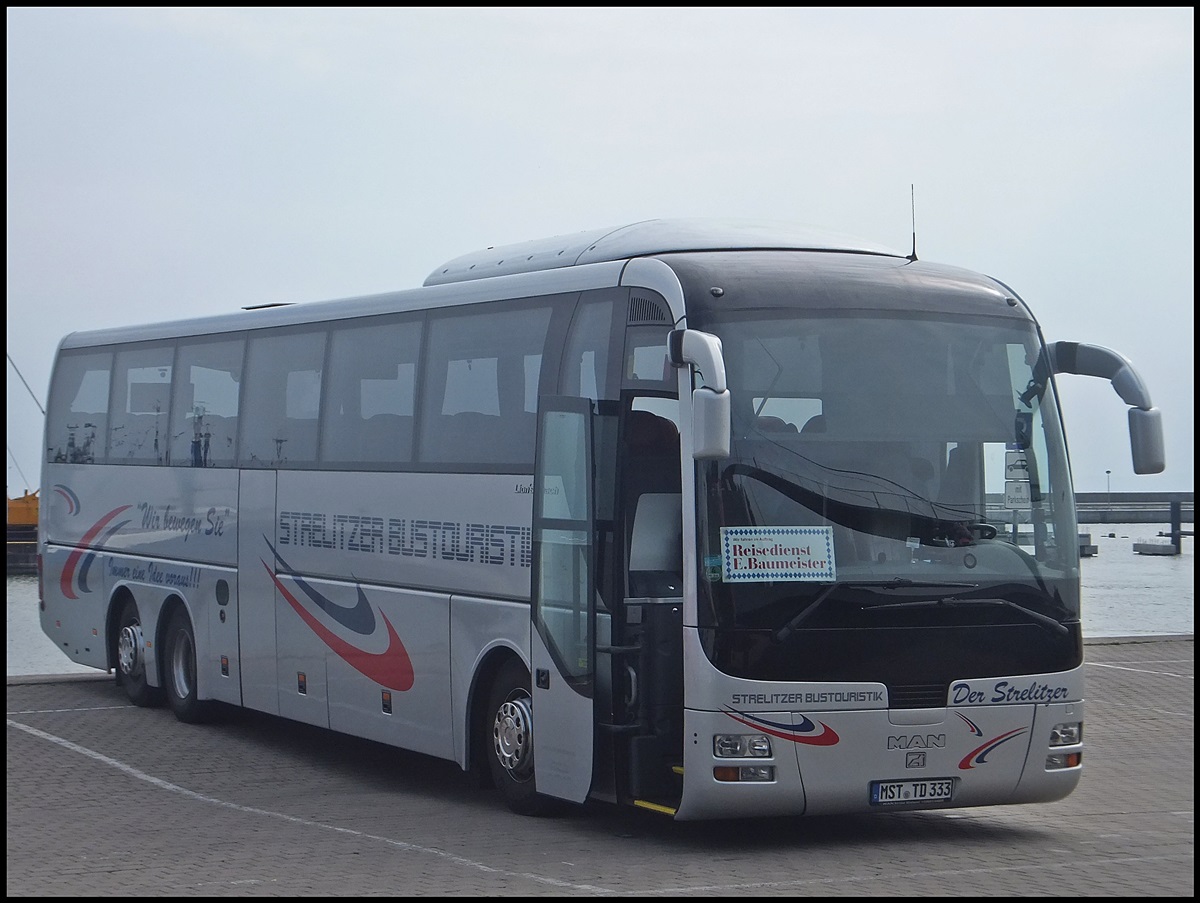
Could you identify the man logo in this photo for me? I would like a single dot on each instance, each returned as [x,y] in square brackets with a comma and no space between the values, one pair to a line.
[914,760]
[917,741]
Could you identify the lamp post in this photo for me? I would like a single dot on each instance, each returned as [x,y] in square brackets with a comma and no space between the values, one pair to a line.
[1108,492]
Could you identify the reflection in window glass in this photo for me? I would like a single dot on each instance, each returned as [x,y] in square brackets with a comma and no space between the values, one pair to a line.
[282,401]
[371,394]
[585,359]
[649,362]
[481,381]
[77,414]
[204,409]
[141,401]
[471,385]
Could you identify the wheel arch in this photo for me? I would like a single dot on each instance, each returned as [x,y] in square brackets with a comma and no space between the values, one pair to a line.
[478,726]
[112,622]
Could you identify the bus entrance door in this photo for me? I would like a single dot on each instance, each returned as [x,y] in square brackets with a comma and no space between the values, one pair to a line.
[562,639]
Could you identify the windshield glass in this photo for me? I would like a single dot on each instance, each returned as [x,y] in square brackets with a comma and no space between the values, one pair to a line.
[888,473]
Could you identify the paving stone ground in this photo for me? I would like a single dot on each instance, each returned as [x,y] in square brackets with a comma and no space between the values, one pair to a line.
[105,799]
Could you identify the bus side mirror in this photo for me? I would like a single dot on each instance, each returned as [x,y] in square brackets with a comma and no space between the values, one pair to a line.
[1145,420]
[710,401]
[1146,440]
[710,423]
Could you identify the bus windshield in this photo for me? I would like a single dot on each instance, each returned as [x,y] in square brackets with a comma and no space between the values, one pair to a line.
[898,475]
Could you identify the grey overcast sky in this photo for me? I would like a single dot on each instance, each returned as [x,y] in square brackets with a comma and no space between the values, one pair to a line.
[171,162]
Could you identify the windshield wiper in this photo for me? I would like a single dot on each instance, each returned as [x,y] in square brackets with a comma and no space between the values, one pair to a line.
[1044,620]
[904,582]
[895,583]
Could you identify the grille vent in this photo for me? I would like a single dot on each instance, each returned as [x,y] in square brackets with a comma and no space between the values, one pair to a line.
[917,696]
[646,310]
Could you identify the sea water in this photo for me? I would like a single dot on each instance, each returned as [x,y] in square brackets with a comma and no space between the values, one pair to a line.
[1124,594]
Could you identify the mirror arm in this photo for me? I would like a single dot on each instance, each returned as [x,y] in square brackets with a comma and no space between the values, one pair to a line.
[1145,420]
[702,351]
[1096,360]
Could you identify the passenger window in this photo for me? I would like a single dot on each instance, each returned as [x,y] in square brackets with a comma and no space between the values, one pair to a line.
[204,409]
[481,381]
[138,432]
[585,367]
[371,394]
[279,426]
[77,413]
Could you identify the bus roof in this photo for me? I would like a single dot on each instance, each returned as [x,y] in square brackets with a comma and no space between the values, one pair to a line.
[653,236]
[603,247]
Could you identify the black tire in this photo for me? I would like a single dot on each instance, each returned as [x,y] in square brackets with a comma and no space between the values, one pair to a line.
[179,670]
[131,658]
[509,742]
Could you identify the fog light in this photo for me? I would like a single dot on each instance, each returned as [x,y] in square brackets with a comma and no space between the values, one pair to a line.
[1056,761]
[1067,734]
[756,773]
[741,746]
[729,774]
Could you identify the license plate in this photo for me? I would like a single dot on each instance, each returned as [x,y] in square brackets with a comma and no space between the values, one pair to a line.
[890,793]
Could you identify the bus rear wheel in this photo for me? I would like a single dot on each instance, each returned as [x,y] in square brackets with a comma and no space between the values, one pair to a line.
[180,648]
[510,742]
[131,658]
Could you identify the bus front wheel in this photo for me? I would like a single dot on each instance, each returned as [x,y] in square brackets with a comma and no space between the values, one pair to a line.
[510,742]
[180,648]
[131,658]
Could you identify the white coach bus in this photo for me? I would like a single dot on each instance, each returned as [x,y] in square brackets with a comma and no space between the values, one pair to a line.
[716,519]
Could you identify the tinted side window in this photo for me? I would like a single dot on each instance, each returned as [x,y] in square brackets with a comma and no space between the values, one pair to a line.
[282,399]
[371,393]
[204,407]
[481,380]
[141,400]
[586,370]
[77,413]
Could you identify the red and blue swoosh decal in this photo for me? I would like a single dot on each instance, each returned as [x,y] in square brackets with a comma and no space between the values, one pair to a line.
[978,756]
[68,494]
[74,573]
[806,732]
[971,725]
[391,668]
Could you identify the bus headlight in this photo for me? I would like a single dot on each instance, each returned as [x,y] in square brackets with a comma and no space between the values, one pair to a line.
[1066,734]
[741,746]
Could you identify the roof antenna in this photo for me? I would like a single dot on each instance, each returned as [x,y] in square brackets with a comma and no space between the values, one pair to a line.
[913,189]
